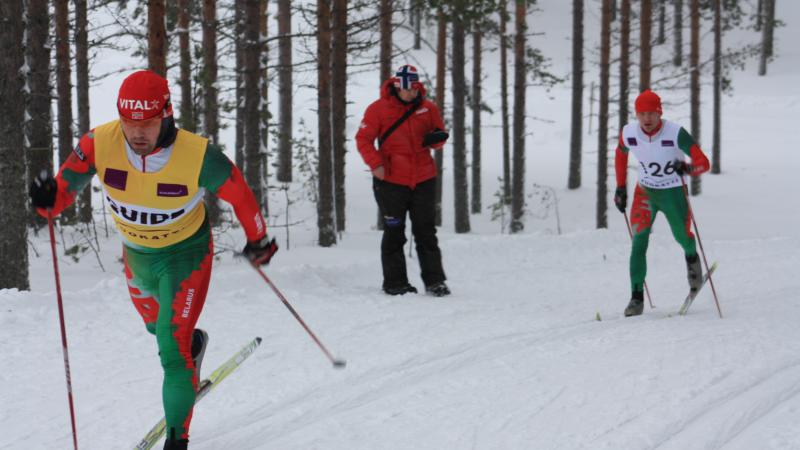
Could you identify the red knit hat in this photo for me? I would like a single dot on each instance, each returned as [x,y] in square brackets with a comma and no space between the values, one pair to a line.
[648,101]
[144,95]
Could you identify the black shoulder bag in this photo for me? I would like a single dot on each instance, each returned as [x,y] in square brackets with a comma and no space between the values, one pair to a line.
[397,124]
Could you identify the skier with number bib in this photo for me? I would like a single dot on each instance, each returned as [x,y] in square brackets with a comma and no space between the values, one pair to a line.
[659,146]
[154,177]
[407,126]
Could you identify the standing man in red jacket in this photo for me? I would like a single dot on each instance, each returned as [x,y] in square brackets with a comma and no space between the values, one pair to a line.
[407,126]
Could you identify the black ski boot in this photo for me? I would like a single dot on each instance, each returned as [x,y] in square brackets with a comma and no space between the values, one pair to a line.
[438,289]
[199,343]
[694,272]
[636,305]
[175,444]
[400,290]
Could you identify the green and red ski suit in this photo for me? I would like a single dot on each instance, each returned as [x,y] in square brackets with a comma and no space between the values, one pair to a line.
[659,187]
[157,203]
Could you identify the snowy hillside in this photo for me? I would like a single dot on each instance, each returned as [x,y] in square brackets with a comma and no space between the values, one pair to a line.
[515,359]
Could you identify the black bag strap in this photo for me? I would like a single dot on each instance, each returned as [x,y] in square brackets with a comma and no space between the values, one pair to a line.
[399,122]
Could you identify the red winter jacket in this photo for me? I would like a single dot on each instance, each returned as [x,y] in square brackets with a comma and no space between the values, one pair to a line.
[404,159]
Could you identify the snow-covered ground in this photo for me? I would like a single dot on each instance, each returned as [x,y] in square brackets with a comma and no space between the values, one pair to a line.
[515,359]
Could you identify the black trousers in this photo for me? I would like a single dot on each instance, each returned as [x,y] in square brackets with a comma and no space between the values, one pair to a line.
[395,201]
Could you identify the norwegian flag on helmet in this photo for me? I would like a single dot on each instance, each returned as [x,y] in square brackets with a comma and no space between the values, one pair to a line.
[406,76]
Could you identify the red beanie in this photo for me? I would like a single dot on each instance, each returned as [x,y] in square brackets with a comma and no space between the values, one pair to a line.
[648,101]
[144,95]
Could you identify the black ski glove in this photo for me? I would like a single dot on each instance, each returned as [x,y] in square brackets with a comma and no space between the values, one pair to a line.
[621,198]
[682,168]
[43,190]
[434,137]
[260,253]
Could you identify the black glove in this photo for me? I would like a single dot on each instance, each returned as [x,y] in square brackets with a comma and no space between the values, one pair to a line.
[260,253]
[621,198]
[434,137]
[681,167]
[43,190]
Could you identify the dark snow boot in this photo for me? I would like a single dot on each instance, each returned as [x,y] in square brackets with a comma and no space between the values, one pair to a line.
[636,305]
[175,444]
[400,290]
[199,343]
[438,289]
[694,272]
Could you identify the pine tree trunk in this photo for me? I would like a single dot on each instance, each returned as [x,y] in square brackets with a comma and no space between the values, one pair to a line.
[263,109]
[339,106]
[385,24]
[715,163]
[613,10]
[416,14]
[645,32]
[156,37]
[64,92]
[518,180]
[187,121]
[252,98]
[624,62]
[677,58]
[759,15]
[770,21]
[662,22]
[386,40]
[39,128]
[504,103]
[13,239]
[238,42]
[441,68]
[82,90]
[766,35]
[209,81]
[460,183]
[325,211]
[285,91]
[476,120]
[602,119]
[576,130]
[694,62]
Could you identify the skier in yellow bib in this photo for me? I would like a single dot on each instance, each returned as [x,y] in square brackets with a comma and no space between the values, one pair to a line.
[154,177]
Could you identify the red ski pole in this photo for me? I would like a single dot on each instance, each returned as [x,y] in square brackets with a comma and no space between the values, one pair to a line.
[630,233]
[337,363]
[700,243]
[63,329]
